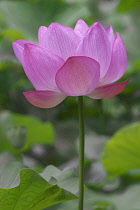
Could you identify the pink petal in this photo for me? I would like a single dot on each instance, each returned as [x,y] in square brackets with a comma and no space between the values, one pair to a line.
[78,76]
[118,63]
[96,45]
[41,66]
[18,47]
[44,99]
[110,33]
[108,91]
[81,28]
[61,40]
[41,34]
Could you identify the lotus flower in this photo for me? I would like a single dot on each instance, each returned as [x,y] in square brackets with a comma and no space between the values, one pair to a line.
[72,62]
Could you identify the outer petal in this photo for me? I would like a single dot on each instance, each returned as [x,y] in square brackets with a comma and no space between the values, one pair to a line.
[44,99]
[61,40]
[96,45]
[41,34]
[108,91]
[81,28]
[110,33]
[118,63]
[78,76]
[18,47]
[41,66]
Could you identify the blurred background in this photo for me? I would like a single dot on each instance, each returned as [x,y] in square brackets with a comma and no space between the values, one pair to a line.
[20,19]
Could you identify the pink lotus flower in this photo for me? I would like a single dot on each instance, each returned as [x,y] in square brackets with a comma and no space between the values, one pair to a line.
[72,62]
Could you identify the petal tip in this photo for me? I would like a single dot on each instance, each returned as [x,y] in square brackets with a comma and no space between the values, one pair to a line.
[110,28]
[13,43]
[108,91]
[118,35]
[54,24]
[42,27]
[80,20]
[44,99]
[97,24]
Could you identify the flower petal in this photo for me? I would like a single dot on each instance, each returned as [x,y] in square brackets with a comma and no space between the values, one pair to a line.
[61,40]
[108,91]
[118,63]
[41,34]
[81,28]
[41,66]
[96,45]
[110,33]
[78,76]
[18,47]
[44,99]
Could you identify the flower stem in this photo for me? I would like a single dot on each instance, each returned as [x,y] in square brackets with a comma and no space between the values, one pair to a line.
[81,152]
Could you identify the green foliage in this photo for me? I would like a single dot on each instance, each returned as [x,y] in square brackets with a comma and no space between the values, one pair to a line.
[122,151]
[66,179]
[126,200]
[32,15]
[4,124]
[103,205]
[20,19]
[17,136]
[9,170]
[33,192]
[125,6]
[11,34]
[37,190]
[37,131]
[122,200]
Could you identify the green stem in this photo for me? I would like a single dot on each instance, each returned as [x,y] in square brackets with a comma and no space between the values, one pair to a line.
[81,152]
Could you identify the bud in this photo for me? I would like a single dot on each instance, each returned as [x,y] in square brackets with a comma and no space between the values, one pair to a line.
[17,136]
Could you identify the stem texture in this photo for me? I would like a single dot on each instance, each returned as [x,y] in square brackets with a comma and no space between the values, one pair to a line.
[81,152]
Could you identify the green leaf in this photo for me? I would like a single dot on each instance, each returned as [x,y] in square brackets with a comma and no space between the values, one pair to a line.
[9,170]
[11,34]
[40,13]
[103,205]
[37,132]
[17,136]
[66,179]
[122,151]
[125,6]
[133,70]
[18,185]
[33,193]
[124,200]
[4,124]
